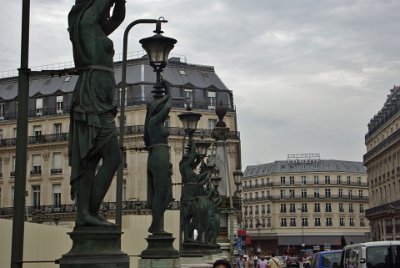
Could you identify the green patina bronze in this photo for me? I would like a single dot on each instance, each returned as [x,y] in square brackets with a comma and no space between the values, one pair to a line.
[159,184]
[93,133]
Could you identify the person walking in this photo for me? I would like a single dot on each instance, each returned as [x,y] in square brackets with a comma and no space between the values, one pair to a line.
[262,263]
[274,262]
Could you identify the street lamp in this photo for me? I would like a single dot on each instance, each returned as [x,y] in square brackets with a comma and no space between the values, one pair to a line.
[158,52]
[258,226]
[238,176]
[158,48]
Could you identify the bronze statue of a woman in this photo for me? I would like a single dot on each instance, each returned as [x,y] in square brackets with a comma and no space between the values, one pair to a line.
[159,184]
[93,133]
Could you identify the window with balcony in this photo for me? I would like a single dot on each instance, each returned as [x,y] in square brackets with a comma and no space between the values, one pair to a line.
[304,207]
[360,194]
[352,222]
[211,99]
[283,194]
[292,222]
[316,193]
[57,128]
[283,222]
[338,179]
[13,160]
[283,182]
[283,208]
[292,207]
[303,180]
[341,209]
[304,193]
[263,209]
[60,104]
[348,180]
[328,221]
[327,193]
[351,209]
[37,132]
[251,210]
[316,179]
[291,193]
[327,180]
[291,180]
[317,222]
[256,210]
[188,96]
[317,207]
[36,164]
[57,195]
[362,208]
[340,193]
[57,163]
[350,194]
[328,207]
[36,196]
[268,208]
[358,180]
[341,221]
[1,167]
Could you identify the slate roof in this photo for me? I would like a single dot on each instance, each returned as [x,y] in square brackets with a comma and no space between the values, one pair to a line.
[283,166]
[179,74]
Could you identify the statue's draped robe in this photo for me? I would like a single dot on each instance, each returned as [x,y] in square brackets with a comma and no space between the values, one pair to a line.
[92,111]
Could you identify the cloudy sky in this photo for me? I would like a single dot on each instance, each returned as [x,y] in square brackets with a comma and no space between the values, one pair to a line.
[307,75]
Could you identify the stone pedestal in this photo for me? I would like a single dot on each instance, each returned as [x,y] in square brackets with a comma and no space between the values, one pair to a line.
[159,263]
[160,247]
[95,247]
[191,249]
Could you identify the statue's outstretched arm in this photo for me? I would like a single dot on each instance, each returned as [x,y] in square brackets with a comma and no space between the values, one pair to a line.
[117,17]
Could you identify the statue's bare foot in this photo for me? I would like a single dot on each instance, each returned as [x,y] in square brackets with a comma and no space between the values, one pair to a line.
[88,220]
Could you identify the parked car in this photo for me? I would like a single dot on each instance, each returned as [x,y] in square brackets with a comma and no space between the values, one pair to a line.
[378,254]
[326,259]
[292,262]
[282,261]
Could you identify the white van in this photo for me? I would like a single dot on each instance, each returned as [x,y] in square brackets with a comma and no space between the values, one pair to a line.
[379,254]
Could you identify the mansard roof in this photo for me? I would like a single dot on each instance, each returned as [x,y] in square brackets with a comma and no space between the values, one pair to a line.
[178,73]
[281,166]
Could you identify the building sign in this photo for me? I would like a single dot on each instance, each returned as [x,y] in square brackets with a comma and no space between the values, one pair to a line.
[303,158]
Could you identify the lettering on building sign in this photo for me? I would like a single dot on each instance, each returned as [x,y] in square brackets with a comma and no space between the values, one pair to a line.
[303,158]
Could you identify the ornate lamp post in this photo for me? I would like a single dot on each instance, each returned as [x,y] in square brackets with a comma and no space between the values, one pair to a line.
[238,176]
[189,121]
[158,48]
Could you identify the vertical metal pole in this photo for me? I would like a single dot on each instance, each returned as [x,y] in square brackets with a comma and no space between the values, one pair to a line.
[22,127]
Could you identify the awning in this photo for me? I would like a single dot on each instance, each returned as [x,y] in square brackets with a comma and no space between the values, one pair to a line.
[321,240]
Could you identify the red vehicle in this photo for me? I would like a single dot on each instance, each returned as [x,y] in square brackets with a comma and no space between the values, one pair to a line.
[292,262]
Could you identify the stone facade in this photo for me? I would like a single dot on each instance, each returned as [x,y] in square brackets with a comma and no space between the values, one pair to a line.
[301,204]
[383,164]
[48,172]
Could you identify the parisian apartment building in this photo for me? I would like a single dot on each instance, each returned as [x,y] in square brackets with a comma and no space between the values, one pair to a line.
[305,202]
[383,166]
[48,173]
